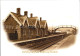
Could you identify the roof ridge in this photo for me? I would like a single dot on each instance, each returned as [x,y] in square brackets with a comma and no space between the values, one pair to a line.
[15,17]
[20,19]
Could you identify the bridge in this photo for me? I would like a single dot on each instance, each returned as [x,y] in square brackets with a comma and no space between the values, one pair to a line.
[74,31]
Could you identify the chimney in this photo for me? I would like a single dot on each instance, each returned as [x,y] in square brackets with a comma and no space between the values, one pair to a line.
[18,11]
[25,13]
[40,18]
[31,15]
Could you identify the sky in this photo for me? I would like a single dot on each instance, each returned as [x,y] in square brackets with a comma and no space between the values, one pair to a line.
[64,12]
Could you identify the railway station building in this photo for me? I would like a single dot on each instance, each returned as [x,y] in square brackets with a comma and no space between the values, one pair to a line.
[22,27]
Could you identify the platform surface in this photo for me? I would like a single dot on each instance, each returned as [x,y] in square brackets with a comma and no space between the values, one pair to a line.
[50,36]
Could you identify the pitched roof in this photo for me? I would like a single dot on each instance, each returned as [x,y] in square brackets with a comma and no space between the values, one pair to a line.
[43,24]
[20,19]
[32,21]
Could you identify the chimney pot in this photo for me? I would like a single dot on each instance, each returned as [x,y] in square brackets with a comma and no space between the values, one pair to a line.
[40,18]
[18,11]
[31,15]
[25,13]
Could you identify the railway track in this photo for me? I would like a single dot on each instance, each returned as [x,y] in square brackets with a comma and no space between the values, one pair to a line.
[45,46]
[58,44]
[41,44]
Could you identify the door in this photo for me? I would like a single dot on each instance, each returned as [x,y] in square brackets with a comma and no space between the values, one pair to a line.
[13,36]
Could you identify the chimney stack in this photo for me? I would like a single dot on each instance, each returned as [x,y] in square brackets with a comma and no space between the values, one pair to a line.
[31,15]
[18,11]
[40,18]
[25,13]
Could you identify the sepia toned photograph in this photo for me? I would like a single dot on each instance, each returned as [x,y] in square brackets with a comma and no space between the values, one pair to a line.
[48,27]
[34,33]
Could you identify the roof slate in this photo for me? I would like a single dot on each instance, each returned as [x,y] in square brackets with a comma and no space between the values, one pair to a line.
[21,19]
[43,23]
[30,21]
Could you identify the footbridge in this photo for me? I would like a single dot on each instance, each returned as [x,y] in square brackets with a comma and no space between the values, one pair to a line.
[74,29]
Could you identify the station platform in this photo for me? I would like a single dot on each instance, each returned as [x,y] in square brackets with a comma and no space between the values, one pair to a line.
[50,36]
